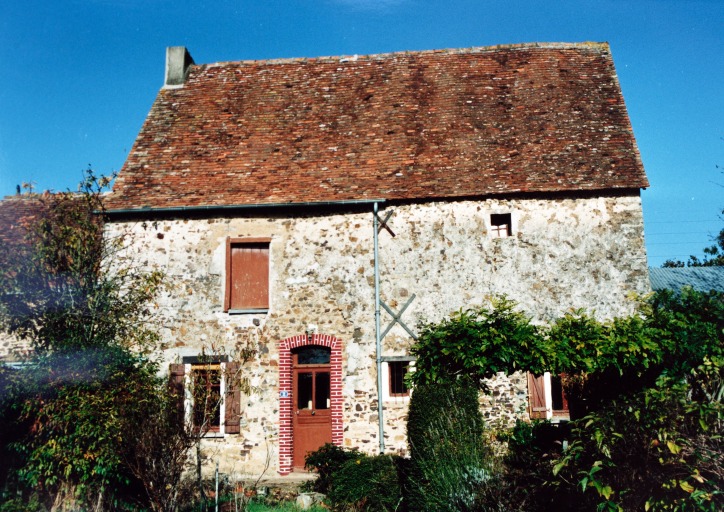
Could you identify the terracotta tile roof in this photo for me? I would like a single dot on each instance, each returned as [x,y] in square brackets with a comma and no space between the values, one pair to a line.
[434,124]
[16,212]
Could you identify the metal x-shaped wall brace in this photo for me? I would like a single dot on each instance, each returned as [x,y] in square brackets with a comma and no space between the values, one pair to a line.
[383,223]
[397,318]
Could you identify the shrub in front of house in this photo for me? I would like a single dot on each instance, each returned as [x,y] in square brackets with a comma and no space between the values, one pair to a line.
[367,483]
[521,479]
[355,481]
[327,461]
[450,458]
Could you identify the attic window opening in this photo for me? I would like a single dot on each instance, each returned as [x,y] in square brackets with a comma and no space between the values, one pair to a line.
[501,225]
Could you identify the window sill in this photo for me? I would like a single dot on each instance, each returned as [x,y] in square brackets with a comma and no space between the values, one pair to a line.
[395,400]
[250,311]
[213,435]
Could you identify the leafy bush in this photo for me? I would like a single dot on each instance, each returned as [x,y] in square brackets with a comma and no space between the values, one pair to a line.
[367,483]
[521,478]
[326,462]
[645,393]
[478,343]
[31,504]
[74,406]
[656,450]
[449,455]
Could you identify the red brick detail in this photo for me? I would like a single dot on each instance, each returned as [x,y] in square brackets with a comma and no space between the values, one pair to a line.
[286,439]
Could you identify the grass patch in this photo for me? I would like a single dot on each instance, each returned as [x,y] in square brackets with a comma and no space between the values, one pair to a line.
[283,507]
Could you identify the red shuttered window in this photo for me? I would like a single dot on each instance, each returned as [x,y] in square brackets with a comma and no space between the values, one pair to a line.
[537,397]
[247,274]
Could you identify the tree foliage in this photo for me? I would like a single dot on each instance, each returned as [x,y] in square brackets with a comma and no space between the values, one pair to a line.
[83,313]
[64,287]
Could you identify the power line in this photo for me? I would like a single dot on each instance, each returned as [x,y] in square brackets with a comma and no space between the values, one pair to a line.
[674,243]
[680,233]
[678,221]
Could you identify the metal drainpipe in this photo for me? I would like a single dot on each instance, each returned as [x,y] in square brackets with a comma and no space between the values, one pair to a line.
[377,332]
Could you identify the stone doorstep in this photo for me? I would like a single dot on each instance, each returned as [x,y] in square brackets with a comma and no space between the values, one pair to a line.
[287,484]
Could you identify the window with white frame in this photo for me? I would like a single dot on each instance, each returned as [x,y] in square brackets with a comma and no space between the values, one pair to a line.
[394,372]
[546,397]
[208,393]
[501,225]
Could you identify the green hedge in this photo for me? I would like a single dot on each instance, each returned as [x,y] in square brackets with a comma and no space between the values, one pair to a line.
[367,483]
[449,456]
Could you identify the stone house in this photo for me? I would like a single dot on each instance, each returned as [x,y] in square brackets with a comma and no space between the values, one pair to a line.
[16,212]
[319,209]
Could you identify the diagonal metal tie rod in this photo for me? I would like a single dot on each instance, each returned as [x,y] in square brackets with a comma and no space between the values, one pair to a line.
[397,318]
[383,223]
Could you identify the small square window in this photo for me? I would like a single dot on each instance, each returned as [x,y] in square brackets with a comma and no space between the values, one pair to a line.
[247,274]
[501,225]
[398,371]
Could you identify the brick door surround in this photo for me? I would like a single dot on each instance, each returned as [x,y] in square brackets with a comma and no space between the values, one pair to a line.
[285,392]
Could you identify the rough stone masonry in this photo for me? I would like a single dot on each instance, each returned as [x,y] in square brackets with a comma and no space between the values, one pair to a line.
[565,252]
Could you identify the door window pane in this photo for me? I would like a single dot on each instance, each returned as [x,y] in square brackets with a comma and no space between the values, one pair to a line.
[321,392]
[304,391]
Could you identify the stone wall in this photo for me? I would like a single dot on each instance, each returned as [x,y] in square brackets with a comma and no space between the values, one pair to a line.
[564,253]
[12,348]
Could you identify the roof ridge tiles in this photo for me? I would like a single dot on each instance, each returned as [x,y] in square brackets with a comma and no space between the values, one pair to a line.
[592,45]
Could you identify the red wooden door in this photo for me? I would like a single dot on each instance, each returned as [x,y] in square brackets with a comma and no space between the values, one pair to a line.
[311,419]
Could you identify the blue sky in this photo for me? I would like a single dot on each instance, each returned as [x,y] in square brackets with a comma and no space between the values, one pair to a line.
[77,77]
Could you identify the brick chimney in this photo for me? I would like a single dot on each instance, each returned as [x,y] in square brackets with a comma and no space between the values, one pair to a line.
[178,61]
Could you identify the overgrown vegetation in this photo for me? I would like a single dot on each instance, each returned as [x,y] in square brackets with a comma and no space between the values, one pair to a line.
[326,462]
[86,328]
[87,422]
[645,391]
[354,481]
[86,419]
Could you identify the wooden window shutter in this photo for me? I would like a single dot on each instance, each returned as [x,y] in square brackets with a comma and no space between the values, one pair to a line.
[536,396]
[247,271]
[233,399]
[176,387]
